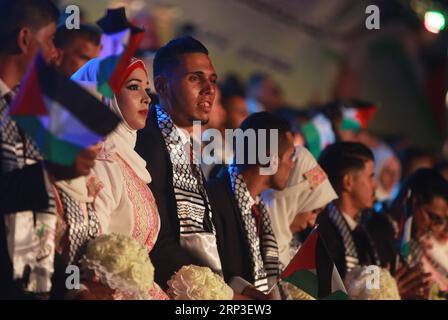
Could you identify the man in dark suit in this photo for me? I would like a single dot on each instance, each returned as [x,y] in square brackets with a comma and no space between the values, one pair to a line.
[185,81]
[249,253]
[26,26]
[342,225]
[350,169]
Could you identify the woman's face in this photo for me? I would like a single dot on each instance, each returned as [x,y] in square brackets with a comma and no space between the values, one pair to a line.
[431,218]
[133,99]
[304,220]
[390,174]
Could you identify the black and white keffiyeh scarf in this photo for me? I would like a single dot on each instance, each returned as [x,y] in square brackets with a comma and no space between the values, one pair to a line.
[264,255]
[351,254]
[193,207]
[197,231]
[30,235]
[81,229]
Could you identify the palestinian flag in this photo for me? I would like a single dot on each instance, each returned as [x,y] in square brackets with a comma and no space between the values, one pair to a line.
[318,133]
[313,271]
[59,115]
[357,115]
[405,228]
[119,42]
[405,240]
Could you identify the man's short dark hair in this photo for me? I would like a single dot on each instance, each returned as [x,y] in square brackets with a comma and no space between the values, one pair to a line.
[167,57]
[16,14]
[425,184]
[65,36]
[341,158]
[256,80]
[267,121]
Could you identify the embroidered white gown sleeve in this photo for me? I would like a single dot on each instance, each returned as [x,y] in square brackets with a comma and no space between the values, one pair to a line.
[109,202]
[125,205]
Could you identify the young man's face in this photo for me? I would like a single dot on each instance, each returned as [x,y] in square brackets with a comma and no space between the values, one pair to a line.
[285,164]
[236,112]
[190,89]
[42,39]
[75,54]
[269,95]
[363,186]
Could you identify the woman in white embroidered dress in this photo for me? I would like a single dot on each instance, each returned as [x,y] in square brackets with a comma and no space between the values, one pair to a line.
[124,203]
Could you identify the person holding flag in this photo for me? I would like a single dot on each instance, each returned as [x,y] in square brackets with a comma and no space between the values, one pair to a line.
[342,225]
[350,169]
[28,220]
[407,230]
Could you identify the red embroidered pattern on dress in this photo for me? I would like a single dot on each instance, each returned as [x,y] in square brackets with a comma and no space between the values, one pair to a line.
[156,293]
[146,221]
[315,176]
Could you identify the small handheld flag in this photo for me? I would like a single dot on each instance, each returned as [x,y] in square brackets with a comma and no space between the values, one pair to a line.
[406,228]
[60,116]
[318,133]
[313,271]
[119,41]
[356,115]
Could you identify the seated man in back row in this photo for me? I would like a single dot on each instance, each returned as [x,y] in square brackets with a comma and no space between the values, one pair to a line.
[350,169]
[249,252]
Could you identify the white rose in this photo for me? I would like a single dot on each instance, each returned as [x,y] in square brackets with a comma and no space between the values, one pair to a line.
[356,284]
[122,263]
[198,283]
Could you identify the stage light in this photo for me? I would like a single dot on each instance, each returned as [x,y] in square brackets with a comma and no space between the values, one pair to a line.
[434,21]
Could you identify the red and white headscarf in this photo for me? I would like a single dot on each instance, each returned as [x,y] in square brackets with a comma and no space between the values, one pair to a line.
[124,137]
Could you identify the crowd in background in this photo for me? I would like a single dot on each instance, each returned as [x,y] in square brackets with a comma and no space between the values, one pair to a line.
[359,188]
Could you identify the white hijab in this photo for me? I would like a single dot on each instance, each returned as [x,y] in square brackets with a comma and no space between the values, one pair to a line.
[299,196]
[382,154]
[123,138]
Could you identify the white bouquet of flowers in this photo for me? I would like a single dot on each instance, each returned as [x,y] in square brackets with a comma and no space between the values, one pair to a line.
[198,283]
[360,286]
[120,263]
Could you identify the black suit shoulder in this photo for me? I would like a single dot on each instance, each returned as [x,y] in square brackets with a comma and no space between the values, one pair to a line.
[333,240]
[383,235]
[167,255]
[232,243]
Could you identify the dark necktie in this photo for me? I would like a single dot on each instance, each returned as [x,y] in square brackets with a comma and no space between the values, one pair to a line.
[362,244]
[191,154]
[9,97]
[256,213]
[197,173]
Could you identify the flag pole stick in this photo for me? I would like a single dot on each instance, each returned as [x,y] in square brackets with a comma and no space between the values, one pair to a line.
[274,286]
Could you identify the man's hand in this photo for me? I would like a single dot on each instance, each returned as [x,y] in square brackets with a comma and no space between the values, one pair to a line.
[251,293]
[84,162]
[413,283]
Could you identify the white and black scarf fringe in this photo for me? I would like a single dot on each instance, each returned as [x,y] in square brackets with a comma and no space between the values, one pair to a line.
[264,257]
